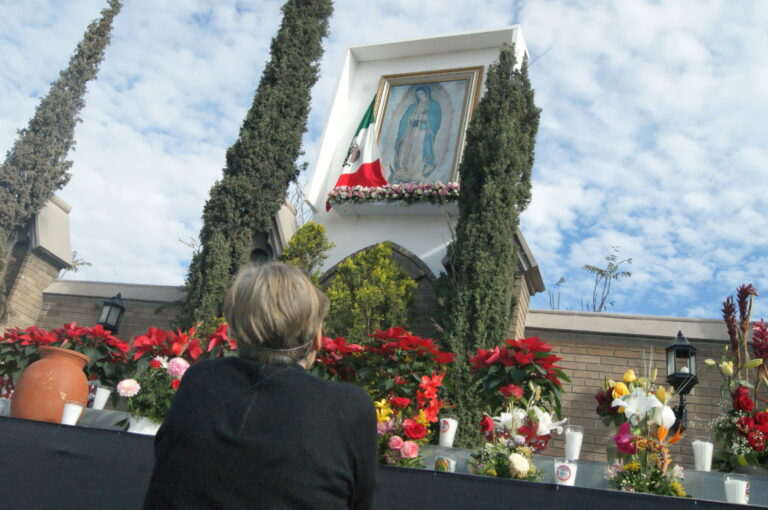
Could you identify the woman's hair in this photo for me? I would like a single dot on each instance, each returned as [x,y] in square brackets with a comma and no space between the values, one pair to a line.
[274,312]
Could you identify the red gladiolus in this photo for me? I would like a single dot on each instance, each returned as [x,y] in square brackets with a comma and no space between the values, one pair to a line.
[760,339]
[511,390]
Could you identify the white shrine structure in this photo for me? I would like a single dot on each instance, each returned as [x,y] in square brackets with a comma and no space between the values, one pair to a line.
[449,71]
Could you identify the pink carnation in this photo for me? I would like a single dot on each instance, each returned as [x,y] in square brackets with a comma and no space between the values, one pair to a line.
[409,450]
[396,442]
[128,388]
[177,367]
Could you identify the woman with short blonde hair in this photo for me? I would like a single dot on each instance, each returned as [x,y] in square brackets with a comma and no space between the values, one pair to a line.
[275,313]
[256,430]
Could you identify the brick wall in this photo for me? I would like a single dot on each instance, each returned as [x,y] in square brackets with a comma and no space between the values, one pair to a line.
[26,296]
[590,358]
[58,309]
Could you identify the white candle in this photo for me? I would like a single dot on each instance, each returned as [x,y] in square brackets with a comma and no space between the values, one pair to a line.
[702,455]
[448,428]
[574,435]
[736,490]
[102,394]
[71,413]
[565,472]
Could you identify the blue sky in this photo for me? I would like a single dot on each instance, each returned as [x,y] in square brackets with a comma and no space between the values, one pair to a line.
[653,133]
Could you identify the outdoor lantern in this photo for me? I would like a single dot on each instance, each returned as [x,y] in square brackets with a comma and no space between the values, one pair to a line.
[111,313]
[681,373]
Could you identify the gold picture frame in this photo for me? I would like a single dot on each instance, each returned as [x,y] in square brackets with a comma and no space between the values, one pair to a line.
[421,121]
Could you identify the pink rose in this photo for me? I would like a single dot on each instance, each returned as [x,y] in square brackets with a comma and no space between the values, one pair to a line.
[395,442]
[128,388]
[409,450]
[177,367]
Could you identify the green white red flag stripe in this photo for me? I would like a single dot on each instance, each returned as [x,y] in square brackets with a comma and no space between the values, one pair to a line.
[363,164]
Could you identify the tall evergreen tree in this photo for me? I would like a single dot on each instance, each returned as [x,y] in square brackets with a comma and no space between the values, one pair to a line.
[495,174]
[262,162]
[37,164]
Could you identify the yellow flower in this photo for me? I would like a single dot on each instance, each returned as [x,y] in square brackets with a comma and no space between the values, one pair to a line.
[383,411]
[726,367]
[677,488]
[629,376]
[710,362]
[620,390]
[422,418]
[661,394]
[490,472]
[632,466]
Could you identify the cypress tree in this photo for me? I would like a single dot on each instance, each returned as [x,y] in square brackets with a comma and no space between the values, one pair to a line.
[262,162]
[495,174]
[37,164]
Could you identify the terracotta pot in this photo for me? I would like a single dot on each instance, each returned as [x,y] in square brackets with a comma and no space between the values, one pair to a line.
[43,388]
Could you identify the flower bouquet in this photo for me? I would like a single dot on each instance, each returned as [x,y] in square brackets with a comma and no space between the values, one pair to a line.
[149,393]
[643,440]
[741,429]
[513,369]
[400,438]
[513,437]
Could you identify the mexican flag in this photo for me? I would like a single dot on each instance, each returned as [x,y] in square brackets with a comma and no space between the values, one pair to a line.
[363,164]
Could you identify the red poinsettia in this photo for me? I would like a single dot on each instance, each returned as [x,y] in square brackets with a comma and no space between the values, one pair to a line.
[514,364]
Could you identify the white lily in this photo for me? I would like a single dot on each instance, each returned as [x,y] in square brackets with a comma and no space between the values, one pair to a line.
[546,425]
[512,420]
[637,405]
[664,416]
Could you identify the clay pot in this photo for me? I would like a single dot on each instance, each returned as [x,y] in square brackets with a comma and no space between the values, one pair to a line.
[43,388]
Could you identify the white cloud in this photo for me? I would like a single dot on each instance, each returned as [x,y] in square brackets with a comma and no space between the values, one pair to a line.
[651,136]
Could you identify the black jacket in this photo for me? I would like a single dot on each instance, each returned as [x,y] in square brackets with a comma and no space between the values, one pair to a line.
[241,434]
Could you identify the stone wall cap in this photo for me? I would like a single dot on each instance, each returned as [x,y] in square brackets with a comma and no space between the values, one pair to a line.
[105,290]
[627,324]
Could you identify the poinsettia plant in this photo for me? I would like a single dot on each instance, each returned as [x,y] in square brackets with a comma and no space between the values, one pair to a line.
[106,353]
[513,368]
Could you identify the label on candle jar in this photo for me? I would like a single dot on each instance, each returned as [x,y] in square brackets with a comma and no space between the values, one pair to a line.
[563,472]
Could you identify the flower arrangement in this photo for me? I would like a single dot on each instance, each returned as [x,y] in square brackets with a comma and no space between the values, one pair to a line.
[742,430]
[513,437]
[611,390]
[643,440]
[434,193]
[403,374]
[149,392]
[514,369]
[106,353]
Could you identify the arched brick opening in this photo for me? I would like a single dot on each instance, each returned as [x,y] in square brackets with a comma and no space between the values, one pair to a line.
[424,300]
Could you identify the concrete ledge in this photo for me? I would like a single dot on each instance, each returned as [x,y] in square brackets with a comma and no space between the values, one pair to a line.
[129,291]
[626,325]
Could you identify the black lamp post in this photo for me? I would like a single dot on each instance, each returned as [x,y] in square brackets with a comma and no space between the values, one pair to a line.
[681,374]
[111,313]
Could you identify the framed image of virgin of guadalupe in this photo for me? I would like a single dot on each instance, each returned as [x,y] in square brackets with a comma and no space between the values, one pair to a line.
[421,119]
